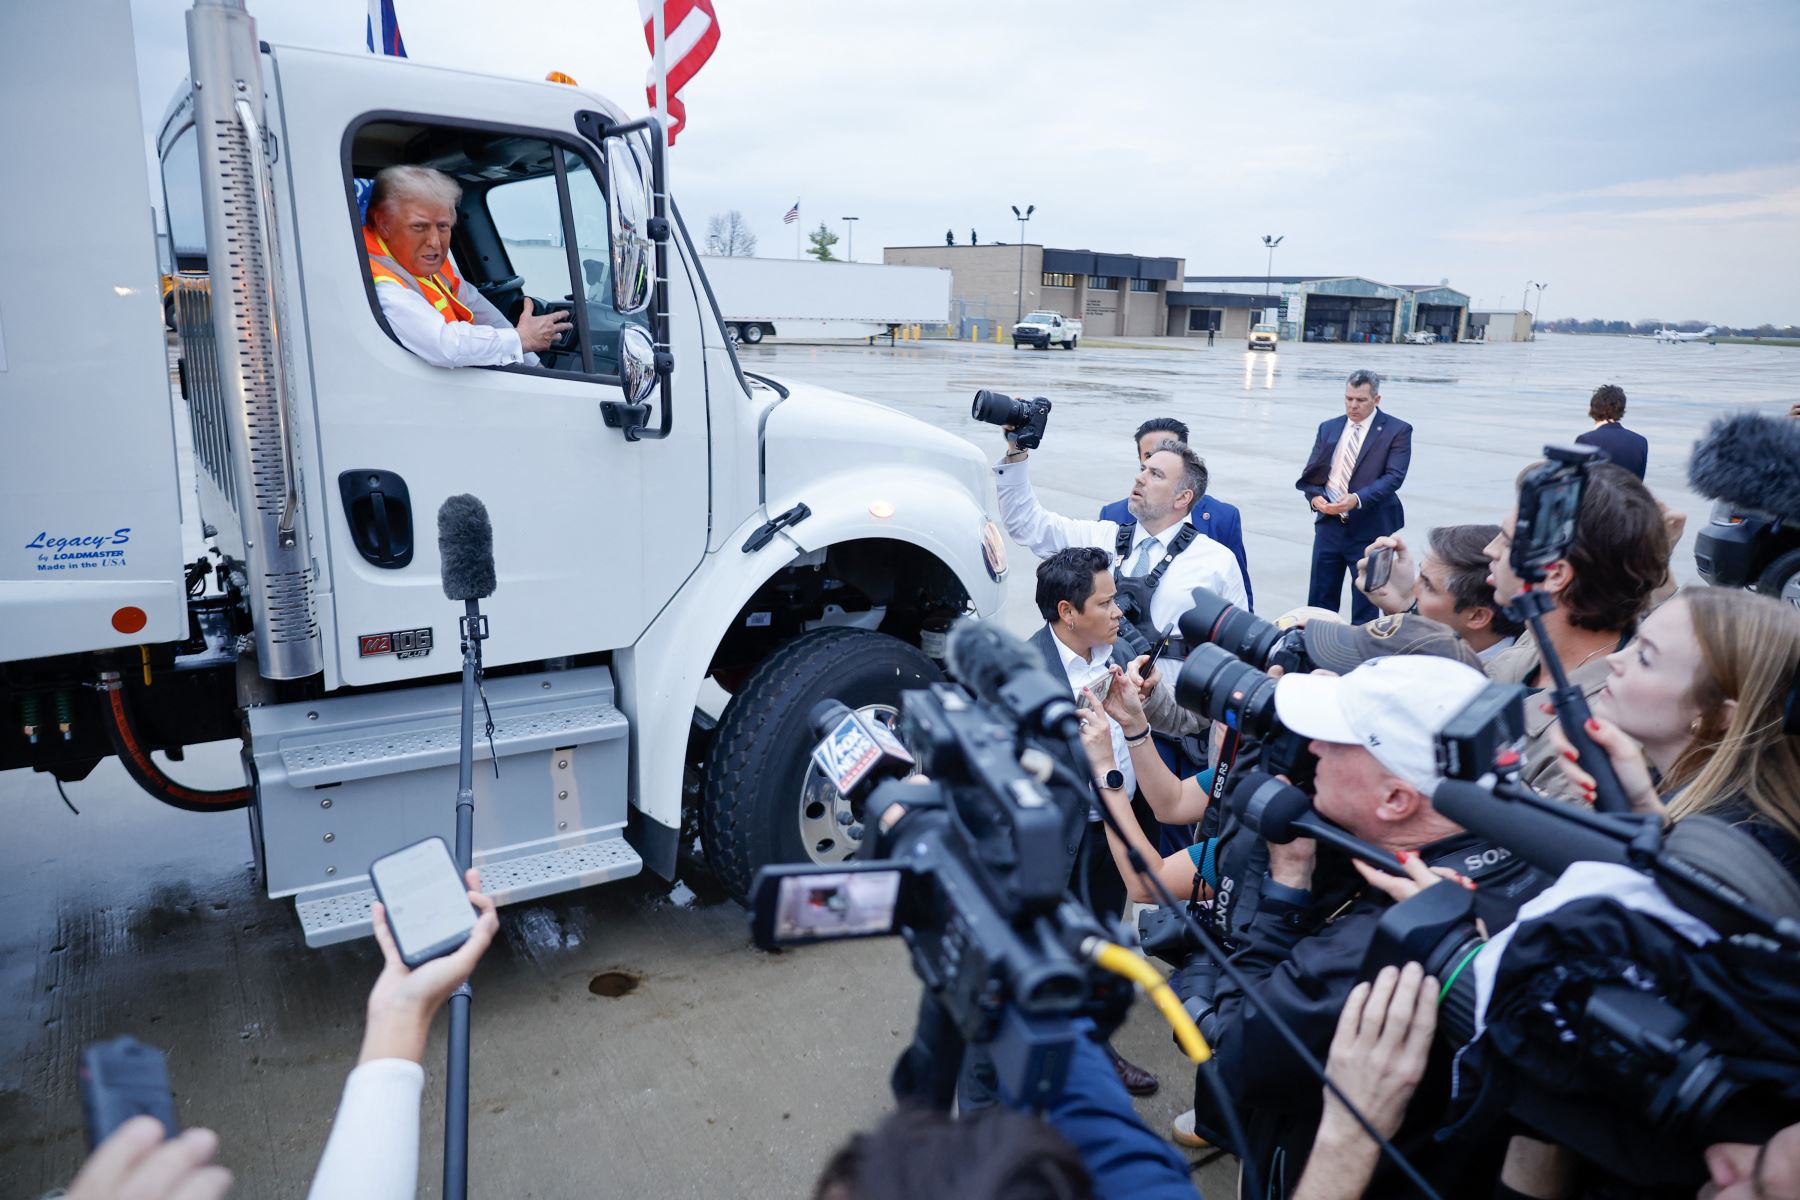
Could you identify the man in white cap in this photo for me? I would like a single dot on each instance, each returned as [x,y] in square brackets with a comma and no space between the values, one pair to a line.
[1374,731]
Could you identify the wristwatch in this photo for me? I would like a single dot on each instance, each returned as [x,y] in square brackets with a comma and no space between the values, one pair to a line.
[1113,780]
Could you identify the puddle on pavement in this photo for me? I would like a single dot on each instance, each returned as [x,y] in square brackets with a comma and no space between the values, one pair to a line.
[613,984]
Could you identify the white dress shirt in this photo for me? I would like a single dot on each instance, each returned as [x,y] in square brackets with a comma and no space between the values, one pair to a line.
[1498,648]
[1079,670]
[373,1151]
[1205,563]
[487,341]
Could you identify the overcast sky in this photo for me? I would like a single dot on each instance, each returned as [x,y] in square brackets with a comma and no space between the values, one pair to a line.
[1643,159]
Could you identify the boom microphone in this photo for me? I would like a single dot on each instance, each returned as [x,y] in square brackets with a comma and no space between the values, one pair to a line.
[1003,670]
[1280,812]
[1751,461]
[465,548]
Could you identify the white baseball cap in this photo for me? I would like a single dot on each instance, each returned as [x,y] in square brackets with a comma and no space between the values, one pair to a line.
[1394,707]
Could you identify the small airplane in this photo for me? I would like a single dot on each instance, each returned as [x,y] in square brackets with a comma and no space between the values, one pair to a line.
[1671,336]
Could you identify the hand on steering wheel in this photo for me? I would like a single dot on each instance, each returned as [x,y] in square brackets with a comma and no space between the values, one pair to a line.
[549,327]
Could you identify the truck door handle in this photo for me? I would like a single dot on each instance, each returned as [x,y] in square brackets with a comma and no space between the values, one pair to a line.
[378,509]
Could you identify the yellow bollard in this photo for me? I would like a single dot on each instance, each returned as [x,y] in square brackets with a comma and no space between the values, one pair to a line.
[974,333]
[918,333]
[996,333]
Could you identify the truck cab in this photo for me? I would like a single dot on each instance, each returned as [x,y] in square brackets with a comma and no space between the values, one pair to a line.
[1263,337]
[688,556]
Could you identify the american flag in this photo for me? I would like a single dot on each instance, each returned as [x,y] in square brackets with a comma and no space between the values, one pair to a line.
[690,34]
[382,30]
[793,214]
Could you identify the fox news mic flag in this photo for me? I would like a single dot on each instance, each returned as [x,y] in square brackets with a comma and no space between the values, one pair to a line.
[690,33]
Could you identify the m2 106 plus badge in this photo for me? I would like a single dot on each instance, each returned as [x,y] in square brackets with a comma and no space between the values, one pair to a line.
[402,643]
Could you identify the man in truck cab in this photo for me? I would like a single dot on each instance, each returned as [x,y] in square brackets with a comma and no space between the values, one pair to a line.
[433,312]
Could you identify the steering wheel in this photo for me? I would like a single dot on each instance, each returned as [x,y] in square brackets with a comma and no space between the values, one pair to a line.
[565,342]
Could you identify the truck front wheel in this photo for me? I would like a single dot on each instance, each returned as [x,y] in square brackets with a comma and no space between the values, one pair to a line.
[765,802]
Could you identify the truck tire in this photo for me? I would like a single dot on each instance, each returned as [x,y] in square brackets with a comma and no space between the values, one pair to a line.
[750,332]
[1781,578]
[764,802]
[1071,343]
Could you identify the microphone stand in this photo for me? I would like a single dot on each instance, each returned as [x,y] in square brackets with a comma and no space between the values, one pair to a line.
[456,1091]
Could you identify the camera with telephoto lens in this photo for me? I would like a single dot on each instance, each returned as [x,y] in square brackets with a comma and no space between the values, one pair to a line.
[1025,418]
[1225,679]
[971,869]
[1651,1011]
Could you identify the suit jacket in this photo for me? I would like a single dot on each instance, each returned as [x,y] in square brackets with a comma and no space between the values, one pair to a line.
[1624,447]
[1375,479]
[1214,519]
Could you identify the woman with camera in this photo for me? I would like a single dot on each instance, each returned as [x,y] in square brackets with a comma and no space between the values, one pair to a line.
[1701,715]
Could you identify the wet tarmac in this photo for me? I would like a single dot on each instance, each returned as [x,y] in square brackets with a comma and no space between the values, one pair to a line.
[628,1040]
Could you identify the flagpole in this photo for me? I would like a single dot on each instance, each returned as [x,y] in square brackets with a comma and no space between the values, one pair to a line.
[797,223]
[659,15]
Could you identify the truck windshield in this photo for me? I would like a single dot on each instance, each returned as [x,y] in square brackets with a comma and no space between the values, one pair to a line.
[1041,318]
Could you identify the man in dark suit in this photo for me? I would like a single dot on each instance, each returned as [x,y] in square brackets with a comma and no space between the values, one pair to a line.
[1211,516]
[1352,479]
[1624,447]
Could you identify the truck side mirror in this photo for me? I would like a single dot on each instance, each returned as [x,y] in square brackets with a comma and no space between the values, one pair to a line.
[628,216]
[637,364]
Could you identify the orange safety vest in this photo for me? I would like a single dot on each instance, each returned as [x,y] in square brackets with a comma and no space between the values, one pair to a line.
[439,289]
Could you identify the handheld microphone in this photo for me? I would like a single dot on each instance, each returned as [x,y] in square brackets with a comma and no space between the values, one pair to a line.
[465,548]
[1003,670]
[1752,461]
[1280,812]
[856,752]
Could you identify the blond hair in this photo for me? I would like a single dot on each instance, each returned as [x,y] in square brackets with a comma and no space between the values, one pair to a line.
[1750,653]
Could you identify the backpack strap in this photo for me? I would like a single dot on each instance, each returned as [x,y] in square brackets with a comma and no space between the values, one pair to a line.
[1122,544]
[1181,541]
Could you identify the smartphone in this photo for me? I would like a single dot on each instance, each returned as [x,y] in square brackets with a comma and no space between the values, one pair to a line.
[1156,651]
[122,1079]
[1381,569]
[426,900]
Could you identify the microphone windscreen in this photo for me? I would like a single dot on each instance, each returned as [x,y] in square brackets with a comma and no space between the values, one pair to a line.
[465,549]
[1752,461]
[983,657]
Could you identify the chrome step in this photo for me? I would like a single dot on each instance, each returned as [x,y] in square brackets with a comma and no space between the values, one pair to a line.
[344,917]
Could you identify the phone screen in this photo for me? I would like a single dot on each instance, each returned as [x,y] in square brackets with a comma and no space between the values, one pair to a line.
[427,904]
[1381,569]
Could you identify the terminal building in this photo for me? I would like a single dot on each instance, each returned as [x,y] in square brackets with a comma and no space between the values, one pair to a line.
[1347,308]
[1113,295]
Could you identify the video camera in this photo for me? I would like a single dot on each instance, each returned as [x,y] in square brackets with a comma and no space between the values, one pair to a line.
[1644,1008]
[972,870]
[1027,418]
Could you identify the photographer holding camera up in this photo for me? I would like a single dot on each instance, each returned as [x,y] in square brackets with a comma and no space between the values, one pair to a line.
[1373,731]
[1160,558]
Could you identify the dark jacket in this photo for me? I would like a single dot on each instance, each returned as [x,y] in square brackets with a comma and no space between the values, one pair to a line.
[1380,470]
[1214,518]
[1625,448]
[1305,976]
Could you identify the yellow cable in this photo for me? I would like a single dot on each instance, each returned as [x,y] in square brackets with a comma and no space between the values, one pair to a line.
[1121,961]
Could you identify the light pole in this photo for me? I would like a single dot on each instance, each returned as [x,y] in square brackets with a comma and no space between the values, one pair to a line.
[850,222]
[1023,217]
[1525,296]
[1540,300]
[1269,275]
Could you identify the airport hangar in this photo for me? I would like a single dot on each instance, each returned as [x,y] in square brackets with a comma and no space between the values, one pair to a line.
[1130,295]
[1350,308]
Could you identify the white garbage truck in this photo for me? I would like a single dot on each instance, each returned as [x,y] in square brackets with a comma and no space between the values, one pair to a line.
[667,527]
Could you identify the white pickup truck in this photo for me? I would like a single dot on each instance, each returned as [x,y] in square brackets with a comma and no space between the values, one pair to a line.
[1047,329]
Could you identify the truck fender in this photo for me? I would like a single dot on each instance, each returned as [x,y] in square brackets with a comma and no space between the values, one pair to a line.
[661,674]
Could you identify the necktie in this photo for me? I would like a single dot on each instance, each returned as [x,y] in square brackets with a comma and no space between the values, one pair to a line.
[1146,552]
[1345,464]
